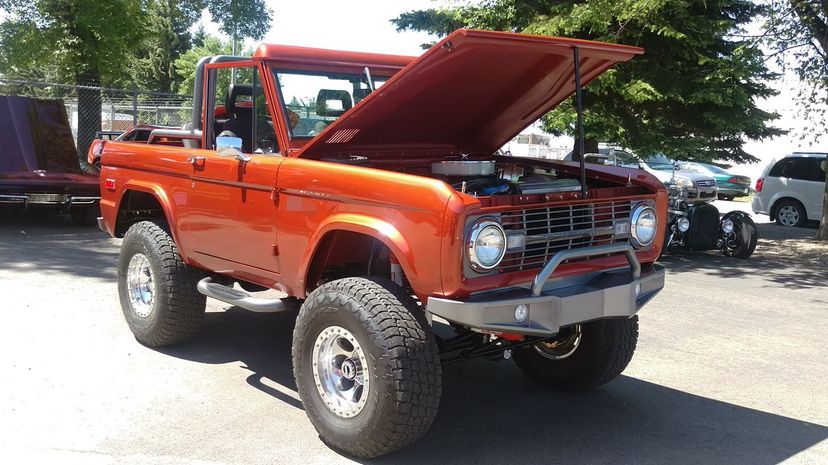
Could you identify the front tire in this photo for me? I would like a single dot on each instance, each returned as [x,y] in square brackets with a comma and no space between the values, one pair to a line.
[366,366]
[742,241]
[791,213]
[157,289]
[603,350]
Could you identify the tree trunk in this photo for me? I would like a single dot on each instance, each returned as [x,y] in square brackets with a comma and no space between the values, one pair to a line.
[822,234]
[590,146]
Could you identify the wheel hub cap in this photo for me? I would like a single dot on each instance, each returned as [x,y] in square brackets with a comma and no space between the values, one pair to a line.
[340,371]
[788,215]
[140,285]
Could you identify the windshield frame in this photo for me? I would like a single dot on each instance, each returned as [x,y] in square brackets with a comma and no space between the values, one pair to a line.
[276,71]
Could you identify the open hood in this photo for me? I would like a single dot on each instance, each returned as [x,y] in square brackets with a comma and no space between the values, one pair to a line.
[472,92]
[36,136]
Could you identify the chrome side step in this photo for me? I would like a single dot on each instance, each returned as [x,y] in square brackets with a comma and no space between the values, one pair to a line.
[240,298]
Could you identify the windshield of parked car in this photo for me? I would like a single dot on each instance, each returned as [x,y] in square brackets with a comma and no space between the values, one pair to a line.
[659,162]
[312,101]
[713,169]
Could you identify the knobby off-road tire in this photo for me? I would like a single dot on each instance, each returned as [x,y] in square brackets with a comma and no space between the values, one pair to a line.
[174,311]
[403,373]
[605,349]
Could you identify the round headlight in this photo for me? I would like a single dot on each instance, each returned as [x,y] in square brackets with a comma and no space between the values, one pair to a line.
[486,245]
[644,225]
[683,224]
[727,226]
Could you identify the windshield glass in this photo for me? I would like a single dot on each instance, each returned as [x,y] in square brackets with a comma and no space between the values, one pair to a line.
[312,101]
[660,162]
[714,169]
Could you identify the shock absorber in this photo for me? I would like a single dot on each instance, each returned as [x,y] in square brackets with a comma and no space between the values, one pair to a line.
[396,270]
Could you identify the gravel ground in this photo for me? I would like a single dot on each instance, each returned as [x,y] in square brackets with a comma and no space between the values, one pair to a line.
[730,369]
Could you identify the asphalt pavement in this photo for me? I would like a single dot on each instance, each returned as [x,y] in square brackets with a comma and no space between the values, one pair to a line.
[730,369]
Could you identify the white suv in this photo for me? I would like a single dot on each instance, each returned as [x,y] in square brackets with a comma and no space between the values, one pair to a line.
[791,189]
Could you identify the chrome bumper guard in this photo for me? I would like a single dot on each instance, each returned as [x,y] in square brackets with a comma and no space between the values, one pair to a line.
[48,199]
[550,306]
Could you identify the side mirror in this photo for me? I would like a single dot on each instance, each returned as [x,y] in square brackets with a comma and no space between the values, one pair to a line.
[231,147]
[228,142]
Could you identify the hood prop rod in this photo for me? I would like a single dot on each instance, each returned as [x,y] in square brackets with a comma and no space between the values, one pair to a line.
[579,126]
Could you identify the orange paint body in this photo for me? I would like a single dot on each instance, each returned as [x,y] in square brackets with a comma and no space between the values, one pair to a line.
[263,220]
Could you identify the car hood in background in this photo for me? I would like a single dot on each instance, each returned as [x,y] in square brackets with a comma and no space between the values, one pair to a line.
[472,92]
[43,181]
[35,136]
[665,176]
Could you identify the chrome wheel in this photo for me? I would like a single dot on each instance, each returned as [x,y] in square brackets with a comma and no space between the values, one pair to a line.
[788,215]
[561,347]
[140,285]
[340,371]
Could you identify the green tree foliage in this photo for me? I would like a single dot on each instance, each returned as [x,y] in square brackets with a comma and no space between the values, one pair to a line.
[166,37]
[82,41]
[797,33]
[690,96]
[240,18]
[185,66]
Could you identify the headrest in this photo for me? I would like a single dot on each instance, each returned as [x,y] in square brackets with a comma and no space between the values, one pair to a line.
[233,93]
[332,102]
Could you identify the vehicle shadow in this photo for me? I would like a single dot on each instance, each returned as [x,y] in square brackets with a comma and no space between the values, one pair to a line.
[49,243]
[784,257]
[260,341]
[490,413]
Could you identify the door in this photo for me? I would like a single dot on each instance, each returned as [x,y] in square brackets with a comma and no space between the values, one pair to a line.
[808,179]
[233,202]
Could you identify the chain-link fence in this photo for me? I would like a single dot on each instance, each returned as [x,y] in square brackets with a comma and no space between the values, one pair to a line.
[92,109]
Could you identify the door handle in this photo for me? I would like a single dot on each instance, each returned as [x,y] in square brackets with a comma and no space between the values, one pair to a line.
[195,160]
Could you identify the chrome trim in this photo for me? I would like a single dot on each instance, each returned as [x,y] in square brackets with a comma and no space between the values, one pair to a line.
[558,258]
[636,214]
[83,200]
[14,199]
[239,298]
[473,234]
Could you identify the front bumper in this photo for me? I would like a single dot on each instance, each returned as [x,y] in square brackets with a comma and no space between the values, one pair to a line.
[735,190]
[58,200]
[609,294]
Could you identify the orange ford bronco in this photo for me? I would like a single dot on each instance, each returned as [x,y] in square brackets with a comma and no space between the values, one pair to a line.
[369,189]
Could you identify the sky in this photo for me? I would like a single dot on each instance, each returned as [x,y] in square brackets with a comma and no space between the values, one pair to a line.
[364,26]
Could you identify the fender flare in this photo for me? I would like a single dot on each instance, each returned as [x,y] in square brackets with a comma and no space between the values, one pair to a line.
[737,214]
[781,196]
[374,227]
[156,191]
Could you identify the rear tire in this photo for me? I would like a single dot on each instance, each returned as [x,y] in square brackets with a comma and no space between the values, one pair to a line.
[157,289]
[387,396]
[603,352]
[790,213]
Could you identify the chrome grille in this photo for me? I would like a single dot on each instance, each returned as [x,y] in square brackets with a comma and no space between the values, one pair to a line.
[552,229]
[706,183]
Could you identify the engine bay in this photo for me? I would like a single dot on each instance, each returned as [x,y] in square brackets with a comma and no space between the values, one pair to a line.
[495,176]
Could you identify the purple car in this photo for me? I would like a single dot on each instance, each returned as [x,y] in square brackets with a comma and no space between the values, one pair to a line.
[39,165]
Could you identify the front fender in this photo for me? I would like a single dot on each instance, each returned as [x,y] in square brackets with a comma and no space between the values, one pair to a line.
[159,194]
[379,229]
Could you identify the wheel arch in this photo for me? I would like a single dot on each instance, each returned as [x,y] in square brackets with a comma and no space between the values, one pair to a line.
[136,195]
[366,227]
[780,197]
